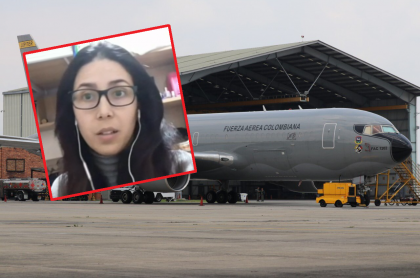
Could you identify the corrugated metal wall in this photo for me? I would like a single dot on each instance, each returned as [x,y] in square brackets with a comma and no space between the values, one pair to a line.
[16,123]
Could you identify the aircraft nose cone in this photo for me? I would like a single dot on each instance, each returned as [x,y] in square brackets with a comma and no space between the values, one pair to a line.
[401,148]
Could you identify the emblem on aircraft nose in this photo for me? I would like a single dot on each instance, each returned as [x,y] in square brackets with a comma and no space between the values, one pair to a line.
[358,140]
[359,149]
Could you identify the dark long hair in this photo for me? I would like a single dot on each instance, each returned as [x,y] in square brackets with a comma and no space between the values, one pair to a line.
[151,156]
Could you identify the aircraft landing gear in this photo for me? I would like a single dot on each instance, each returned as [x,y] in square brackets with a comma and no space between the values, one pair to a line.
[211,197]
[232,197]
[138,197]
[222,197]
[149,197]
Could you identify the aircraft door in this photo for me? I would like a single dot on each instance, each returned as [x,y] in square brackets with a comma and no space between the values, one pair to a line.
[328,136]
[195,139]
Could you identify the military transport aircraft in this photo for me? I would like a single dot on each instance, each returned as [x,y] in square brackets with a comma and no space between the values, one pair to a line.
[295,147]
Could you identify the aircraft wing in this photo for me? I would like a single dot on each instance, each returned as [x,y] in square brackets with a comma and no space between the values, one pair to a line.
[207,161]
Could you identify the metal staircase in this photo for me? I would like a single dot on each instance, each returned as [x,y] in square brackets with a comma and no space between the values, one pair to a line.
[408,175]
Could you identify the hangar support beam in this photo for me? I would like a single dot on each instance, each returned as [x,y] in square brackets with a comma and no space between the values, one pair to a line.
[260,78]
[187,77]
[352,96]
[412,130]
[246,103]
[391,88]
[229,87]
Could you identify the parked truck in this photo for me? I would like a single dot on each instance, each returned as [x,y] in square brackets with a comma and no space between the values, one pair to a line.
[341,194]
[22,189]
[130,193]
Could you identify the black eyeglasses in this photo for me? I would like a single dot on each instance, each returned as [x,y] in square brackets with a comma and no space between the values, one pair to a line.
[117,96]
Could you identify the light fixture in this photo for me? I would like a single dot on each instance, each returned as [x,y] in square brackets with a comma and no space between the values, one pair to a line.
[265,64]
[248,78]
[264,85]
[274,68]
[343,74]
[310,59]
[358,81]
[232,71]
[290,74]
[256,81]
[321,88]
[366,84]
[208,82]
[318,63]
[351,77]
[302,56]
[336,70]
[381,91]
[305,81]
[388,94]
[297,77]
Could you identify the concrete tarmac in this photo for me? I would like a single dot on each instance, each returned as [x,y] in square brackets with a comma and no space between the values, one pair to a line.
[270,239]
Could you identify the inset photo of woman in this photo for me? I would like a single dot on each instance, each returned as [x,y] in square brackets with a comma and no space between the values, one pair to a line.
[110,112]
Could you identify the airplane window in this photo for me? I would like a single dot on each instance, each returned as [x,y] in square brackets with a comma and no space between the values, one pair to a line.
[359,128]
[376,129]
[388,129]
[368,130]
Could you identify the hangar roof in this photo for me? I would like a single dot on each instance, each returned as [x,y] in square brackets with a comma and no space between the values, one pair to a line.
[260,73]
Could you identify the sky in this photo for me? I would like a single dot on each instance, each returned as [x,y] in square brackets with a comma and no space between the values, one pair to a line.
[382,33]
[151,39]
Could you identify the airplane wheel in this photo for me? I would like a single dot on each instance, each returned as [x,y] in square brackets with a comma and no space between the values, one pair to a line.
[322,203]
[149,197]
[126,197]
[377,202]
[211,197]
[138,197]
[338,204]
[232,197]
[158,198]
[222,197]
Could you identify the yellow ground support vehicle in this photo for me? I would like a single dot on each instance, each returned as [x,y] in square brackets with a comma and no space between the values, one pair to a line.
[341,194]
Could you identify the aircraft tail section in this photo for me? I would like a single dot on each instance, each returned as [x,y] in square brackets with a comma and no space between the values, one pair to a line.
[26,44]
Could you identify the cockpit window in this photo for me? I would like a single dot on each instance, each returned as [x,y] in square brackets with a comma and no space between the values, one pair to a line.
[375,129]
[368,130]
[389,129]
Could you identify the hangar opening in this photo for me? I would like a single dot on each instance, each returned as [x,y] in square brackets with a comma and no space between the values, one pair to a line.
[303,75]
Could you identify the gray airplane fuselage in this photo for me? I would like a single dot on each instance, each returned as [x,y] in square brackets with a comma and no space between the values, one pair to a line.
[293,145]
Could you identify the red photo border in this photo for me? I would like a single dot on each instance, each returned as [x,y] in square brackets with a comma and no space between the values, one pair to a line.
[92,40]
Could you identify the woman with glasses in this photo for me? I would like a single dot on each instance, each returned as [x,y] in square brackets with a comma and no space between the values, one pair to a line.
[110,125]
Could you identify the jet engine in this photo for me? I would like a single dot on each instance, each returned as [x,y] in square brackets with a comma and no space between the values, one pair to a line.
[175,184]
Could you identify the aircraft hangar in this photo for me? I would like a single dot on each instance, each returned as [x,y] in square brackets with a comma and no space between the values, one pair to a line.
[308,74]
